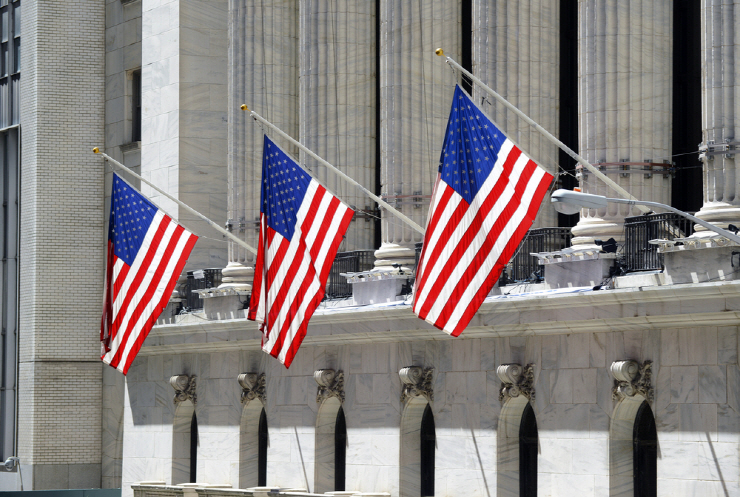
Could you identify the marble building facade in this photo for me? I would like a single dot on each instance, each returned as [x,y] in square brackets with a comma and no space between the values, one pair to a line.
[359,83]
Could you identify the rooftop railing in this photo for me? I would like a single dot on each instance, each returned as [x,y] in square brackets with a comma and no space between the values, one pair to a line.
[526,267]
[199,279]
[354,261]
[639,255]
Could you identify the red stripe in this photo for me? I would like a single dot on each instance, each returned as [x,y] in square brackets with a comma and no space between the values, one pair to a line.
[484,251]
[285,284]
[259,269]
[162,304]
[326,220]
[436,214]
[139,276]
[514,242]
[273,265]
[146,298]
[469,235]
[332,252]
[448,230]
[294,305]
[105,321]
[301,332]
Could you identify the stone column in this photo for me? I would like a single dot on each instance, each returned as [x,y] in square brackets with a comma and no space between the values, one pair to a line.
[516,51]
[263,73]
[720,88]
[338,103]
[183,126]
[416,92]
[625,106]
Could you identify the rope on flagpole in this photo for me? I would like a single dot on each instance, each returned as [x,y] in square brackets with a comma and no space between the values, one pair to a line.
[182,204]
[603,177]
[367,192]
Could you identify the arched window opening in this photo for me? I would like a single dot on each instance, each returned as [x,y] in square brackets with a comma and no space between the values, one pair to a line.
[645,452]
[262,451]
[427,446]
[193,447]
[528,446]
[340,451]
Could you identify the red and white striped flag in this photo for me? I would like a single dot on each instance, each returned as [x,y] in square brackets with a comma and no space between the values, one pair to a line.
[301,227]
[486,198]
[147,251]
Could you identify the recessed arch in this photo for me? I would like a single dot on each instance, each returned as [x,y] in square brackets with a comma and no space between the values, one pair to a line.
[253,444]
[184,444]
[326,455]
[509,444]
[528,450]
[410,453]
[633,443]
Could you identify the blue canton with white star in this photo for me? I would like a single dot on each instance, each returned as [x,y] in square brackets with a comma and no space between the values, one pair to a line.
[471,147]
[131,214]
[284,184]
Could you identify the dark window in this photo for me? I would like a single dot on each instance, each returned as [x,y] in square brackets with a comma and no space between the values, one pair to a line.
[340,451]
[645,453]
[193,448]
[136,106]
[262,452]
[428,444]
[528,453]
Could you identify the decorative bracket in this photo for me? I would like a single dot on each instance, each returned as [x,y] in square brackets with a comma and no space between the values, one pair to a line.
[253,387]
[515,381]
[416,382]
[631,379]
[331,384]
[184,386]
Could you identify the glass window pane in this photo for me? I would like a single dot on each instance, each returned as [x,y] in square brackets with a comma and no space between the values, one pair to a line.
[17,55]
[4,59]
[4,16]
[17,19]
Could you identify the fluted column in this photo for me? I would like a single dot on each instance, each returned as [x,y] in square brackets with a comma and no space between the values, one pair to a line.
[263,73]
[720,45]
[516,51]
[338,103]
[625,105]
[416,92]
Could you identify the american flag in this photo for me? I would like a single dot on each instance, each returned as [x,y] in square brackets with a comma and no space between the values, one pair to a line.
[146,253]
[485,199]
[301,227]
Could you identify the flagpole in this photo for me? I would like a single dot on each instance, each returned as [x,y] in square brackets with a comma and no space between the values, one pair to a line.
[182,204]
[367,192]
[565,148]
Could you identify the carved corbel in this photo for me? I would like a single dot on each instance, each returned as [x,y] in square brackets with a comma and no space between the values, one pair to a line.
[631,379]
[416,381]
[253,387]
[515,381]
[184,386]
[331,384]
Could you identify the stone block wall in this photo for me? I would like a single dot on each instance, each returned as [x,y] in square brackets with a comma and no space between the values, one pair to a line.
[694,374]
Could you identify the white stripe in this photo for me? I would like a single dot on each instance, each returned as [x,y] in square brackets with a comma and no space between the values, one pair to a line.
[496,250]
[151,305]
[138,260]
[117,270]
[143,285]
[454,239]
[480,237]
[331,233]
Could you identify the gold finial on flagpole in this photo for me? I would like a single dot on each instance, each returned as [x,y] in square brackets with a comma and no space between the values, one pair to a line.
[440,52]
[244,107]
[96,150]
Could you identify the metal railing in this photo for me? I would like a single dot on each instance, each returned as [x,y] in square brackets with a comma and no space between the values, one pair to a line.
[199,279]
[354,261]
[526,267]
[639,255]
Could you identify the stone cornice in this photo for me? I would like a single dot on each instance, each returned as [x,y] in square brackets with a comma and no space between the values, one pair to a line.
[677,306]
